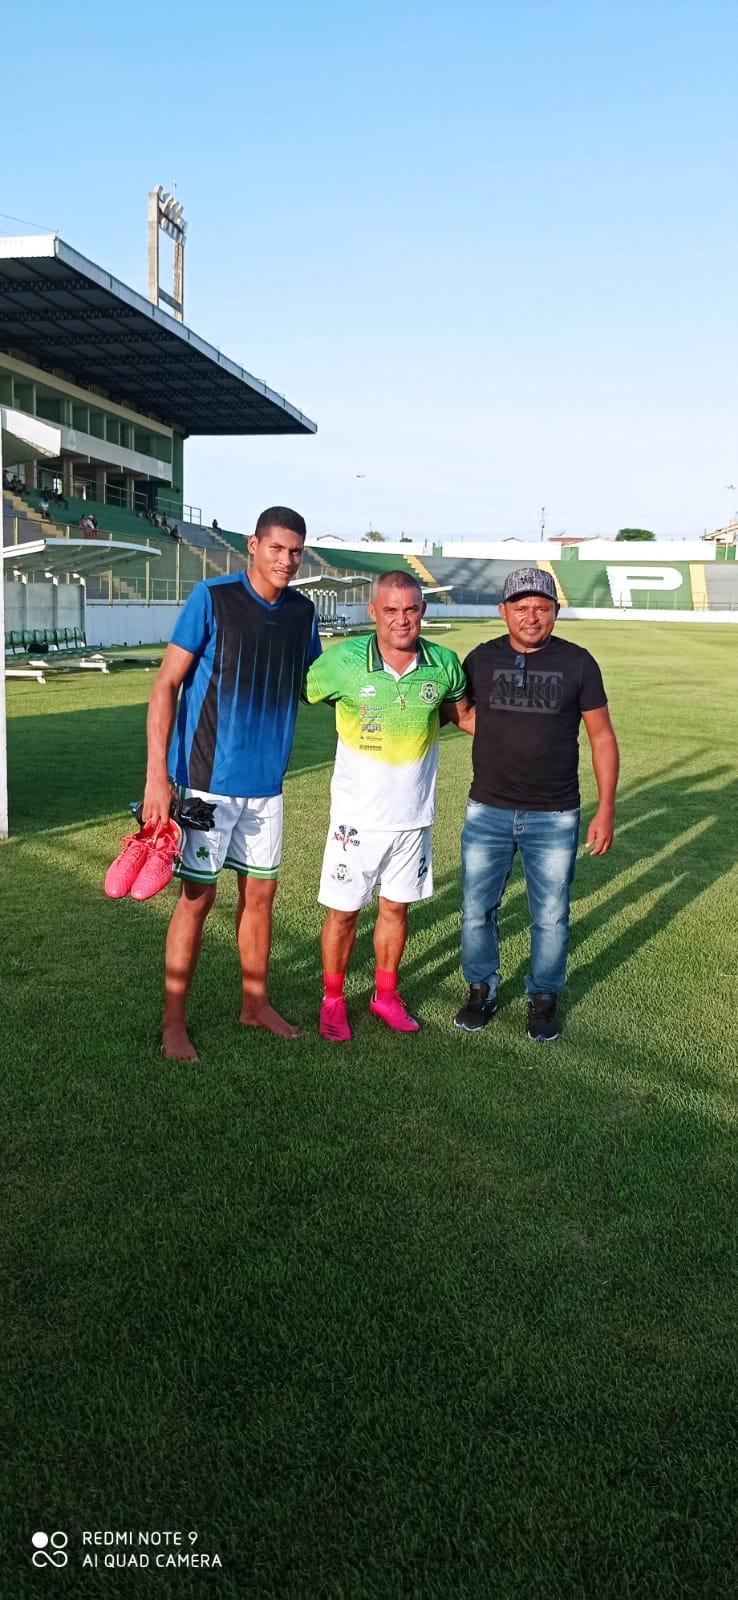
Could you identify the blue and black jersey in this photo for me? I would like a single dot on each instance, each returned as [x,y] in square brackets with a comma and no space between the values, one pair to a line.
[236,717]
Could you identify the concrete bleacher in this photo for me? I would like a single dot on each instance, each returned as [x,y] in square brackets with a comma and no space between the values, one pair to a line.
[370,562]
[234,541]
[111,519]
[121,521]
[22,525]
[199,553]
[219,556]
[473,581]
[721,584]
[467,580]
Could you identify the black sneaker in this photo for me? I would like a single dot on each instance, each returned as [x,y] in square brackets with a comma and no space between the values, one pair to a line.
[479,1007]
[542,1020]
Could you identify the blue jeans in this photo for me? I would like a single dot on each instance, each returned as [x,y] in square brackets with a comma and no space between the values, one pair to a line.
[547,841]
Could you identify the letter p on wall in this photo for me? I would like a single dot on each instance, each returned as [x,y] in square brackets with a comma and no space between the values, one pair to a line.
[623,580]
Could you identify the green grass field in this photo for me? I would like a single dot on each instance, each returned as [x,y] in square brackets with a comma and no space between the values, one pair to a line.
[433,1317]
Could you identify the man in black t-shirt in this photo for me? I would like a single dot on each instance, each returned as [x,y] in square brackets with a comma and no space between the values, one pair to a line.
[530,692]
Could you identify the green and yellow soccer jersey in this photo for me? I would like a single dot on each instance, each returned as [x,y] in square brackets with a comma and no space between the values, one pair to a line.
[388,727]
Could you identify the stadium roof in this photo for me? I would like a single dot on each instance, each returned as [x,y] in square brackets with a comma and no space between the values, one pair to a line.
[82,558]
[69,314]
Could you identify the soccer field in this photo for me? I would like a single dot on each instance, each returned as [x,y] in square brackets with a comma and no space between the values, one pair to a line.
[442,1316]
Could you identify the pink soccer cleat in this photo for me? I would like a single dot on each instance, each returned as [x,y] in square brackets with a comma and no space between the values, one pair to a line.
[158,868]
[334,1023]
[392,1010]
[121,876]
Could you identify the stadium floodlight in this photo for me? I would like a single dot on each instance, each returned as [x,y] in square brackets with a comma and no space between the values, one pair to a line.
[166,214]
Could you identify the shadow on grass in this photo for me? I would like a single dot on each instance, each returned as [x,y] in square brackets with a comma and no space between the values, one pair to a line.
[375,1317]
[686,863]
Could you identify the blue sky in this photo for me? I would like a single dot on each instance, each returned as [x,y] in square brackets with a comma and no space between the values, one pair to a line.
[490,249]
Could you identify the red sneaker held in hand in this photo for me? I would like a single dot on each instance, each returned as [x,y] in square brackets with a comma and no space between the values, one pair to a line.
[158,869]
[121,876]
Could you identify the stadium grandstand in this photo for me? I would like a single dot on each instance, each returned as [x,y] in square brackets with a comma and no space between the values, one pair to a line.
[118,385]
[121,385]
[99,390]
[688,579]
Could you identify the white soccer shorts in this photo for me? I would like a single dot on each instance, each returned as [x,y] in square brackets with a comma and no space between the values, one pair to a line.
[398,865]
[246,835]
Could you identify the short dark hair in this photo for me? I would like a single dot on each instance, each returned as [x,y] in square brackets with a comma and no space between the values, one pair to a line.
[395,580]
[280,517]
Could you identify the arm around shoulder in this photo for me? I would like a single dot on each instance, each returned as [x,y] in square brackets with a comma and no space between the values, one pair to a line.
[458,706]
[461,713]
[321,679]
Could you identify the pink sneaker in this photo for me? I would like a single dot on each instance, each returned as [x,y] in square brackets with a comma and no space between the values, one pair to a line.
[392,1009]
[158,868]
[121,876]
[334,1023]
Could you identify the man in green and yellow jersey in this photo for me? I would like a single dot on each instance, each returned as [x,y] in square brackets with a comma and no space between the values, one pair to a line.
[389,689]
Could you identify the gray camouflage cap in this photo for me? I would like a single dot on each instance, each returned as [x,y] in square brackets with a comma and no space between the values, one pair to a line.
[529,580]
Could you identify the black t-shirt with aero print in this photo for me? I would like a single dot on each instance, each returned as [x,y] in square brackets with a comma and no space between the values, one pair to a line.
[525,754]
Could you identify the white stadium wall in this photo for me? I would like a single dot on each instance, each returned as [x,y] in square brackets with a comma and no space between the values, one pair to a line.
[131,624]
[42,606]
[128,623]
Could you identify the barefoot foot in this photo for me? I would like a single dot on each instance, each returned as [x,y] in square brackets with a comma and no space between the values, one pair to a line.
[176,1043]
[262,1015]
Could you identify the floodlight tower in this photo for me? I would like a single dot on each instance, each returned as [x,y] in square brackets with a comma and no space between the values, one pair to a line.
[166,212]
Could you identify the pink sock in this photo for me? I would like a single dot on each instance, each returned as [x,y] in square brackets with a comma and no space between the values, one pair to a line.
[333,983]
[385,982]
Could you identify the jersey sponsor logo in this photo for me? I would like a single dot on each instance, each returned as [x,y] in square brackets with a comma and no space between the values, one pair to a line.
[346,836]
[371,719]
[368,691]
[542,691]
[341,873]
[429,693]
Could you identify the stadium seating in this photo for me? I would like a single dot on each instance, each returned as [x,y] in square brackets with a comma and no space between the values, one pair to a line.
[721,583]
[473,580]
[22,527]
[219,557]
[39,641]
[32,652]
[340,562]
[470,580]
[179,566]
[110,519]
[234,541]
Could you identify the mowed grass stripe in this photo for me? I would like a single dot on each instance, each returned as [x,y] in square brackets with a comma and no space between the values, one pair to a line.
[433,1316]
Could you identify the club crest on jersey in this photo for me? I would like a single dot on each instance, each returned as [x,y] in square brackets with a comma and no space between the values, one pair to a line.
[346,836]
[429,693]
[341,873]
[368,691]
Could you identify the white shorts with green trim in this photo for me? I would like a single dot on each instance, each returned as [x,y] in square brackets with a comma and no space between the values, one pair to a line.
[398,865]
[246,835]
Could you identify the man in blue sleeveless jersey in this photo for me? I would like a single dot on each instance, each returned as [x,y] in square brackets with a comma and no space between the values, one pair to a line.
[239,651]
